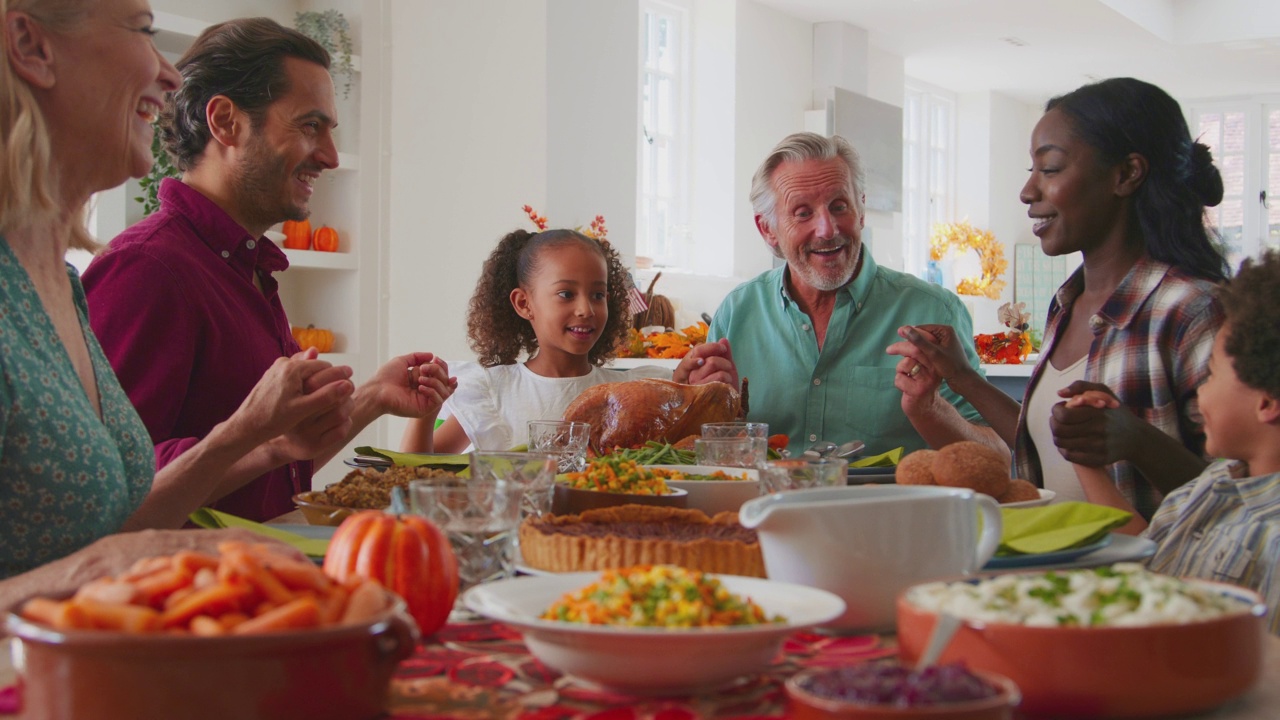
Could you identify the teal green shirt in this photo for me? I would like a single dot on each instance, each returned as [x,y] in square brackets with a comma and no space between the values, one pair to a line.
[845,391]
[67,477]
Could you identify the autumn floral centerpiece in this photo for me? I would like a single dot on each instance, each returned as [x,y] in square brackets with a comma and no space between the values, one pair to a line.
[1012,346]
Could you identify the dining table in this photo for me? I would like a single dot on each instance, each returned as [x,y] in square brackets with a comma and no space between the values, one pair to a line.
[477,669]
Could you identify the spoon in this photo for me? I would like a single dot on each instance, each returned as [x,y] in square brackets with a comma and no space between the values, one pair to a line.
[398,506]
[820,449]
[943,631]
[849,449]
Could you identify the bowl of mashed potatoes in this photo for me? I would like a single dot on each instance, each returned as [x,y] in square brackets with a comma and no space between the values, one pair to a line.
[1106,642]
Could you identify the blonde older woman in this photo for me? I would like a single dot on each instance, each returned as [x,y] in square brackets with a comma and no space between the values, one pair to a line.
[80,84]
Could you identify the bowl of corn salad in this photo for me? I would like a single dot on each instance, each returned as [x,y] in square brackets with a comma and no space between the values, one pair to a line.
[712,489]
[676,633]
[609,481]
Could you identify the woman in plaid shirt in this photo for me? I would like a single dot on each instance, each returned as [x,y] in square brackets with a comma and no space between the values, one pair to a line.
[1116,177]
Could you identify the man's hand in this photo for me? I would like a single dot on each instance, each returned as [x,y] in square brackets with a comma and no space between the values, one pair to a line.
[935,348]
[708,362]
[1091,430]
[414,386]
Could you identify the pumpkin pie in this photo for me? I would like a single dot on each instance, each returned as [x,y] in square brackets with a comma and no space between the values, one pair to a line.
[626,535]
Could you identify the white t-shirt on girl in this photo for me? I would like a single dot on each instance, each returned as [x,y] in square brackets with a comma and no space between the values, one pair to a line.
[494,405]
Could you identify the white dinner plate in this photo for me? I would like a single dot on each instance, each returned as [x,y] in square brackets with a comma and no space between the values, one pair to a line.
[652,661]
[715,496]
[1046,497]
[1122,548]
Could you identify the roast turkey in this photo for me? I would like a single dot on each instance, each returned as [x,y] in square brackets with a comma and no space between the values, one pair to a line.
[629,414]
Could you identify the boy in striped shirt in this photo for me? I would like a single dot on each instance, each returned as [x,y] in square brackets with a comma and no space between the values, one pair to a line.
[1225,524]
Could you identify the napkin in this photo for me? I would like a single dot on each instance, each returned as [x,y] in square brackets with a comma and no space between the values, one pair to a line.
[888,459]
[1056,527]
[210,518]
[416,459]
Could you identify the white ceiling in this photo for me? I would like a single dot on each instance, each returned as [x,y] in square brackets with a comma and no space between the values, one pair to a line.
[1195,49]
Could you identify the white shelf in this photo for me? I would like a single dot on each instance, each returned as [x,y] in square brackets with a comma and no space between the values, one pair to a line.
[318,260]
[175,33]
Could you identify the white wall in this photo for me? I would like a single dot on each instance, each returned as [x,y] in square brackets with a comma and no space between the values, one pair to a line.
[714,215]
[593,116]
[468,149]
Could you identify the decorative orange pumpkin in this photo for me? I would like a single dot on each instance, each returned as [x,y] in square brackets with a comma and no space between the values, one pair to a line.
[325,239]
[297,234]
[407,554]
[312,336]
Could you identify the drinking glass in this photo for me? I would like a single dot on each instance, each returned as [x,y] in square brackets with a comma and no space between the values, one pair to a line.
[798,473]
[533,472]
[480,520]
[566,440]
[736,429]
[731,451]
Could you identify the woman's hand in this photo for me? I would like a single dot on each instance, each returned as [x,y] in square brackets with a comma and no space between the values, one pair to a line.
[934,347]
[1091,428]
[915,375]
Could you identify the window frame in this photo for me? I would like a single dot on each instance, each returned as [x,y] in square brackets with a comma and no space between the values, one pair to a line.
[927,198]
[674,252]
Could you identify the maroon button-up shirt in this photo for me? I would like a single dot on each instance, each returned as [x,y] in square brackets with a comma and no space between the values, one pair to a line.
[174,306]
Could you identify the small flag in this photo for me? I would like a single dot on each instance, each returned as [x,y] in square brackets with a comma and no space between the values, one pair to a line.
[635,300]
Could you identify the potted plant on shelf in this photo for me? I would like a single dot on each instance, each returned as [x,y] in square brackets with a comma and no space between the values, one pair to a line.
[331,29]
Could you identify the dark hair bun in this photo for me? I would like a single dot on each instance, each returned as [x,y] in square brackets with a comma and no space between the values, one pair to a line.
[1205,180]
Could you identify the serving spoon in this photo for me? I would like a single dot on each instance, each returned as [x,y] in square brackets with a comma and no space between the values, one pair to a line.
[820,449]
[943,631]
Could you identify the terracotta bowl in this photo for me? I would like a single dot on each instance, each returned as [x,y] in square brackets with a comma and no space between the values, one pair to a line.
[335,673]
[806,705]
[318,512]
[567,500]
[1108,672]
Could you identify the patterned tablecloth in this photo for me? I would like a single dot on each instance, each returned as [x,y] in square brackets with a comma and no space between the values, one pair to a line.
[483,670]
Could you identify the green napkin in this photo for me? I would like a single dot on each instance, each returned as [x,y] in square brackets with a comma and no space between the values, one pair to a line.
[215,519]
[417,459]
[888,459]
[1056,527]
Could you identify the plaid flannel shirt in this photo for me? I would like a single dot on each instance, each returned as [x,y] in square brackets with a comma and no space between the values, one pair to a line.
[1151,344]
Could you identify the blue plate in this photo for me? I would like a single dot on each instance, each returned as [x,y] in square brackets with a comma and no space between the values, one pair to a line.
[1049,558]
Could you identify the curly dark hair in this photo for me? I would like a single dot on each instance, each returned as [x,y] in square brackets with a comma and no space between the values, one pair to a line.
[1252,303]
[1123,115]
[498,334]
[242,59]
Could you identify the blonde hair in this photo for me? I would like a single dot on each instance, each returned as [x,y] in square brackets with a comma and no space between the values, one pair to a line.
[27,183]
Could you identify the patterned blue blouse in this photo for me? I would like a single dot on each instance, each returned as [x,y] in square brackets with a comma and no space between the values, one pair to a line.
[67,477]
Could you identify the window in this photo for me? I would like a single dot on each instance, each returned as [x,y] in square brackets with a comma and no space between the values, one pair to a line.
[664,131]
[928,178]
[1244,138]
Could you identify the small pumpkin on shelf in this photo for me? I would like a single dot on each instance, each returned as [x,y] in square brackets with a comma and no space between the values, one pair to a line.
[312,336]
[325,239]
[297,234]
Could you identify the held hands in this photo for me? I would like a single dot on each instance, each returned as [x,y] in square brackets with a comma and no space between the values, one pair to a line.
[708,362]
[922,368]
[1091,428]
[414,385]
[306,399]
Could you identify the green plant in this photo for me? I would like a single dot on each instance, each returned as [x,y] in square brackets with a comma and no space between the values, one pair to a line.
[331,29]
[161,168]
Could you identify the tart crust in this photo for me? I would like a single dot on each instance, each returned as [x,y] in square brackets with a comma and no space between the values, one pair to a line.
[626,535]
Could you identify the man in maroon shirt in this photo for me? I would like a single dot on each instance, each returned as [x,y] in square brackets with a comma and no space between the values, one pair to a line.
[185,303]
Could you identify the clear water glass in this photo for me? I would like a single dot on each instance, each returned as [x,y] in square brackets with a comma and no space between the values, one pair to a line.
[480,519]
[533,472]
[749,452]
[566,440]
[736,429]
[799,473]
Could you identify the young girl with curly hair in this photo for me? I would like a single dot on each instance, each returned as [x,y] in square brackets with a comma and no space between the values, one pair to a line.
[560,298]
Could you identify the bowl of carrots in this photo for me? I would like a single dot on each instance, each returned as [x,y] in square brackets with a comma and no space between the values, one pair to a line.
[247,633]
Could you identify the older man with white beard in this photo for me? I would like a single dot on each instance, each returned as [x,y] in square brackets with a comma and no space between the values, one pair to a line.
[811,335]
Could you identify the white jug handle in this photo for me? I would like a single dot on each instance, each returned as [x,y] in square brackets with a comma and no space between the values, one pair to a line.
[992,528]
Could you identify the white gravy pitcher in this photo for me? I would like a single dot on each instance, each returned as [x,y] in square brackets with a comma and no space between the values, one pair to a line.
[867,543]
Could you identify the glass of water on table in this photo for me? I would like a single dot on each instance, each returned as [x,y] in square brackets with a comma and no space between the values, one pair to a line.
[480,518]
[562,438]
[534,472]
